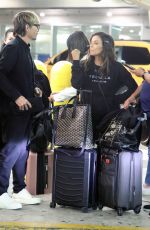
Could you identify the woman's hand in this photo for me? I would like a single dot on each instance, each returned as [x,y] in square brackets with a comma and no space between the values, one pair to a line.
[51,97]
[129,101]
[75,54]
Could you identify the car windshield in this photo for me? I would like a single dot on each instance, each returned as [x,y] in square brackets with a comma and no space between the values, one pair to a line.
[133,55]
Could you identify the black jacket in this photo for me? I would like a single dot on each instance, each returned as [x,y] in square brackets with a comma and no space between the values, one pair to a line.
[16,73]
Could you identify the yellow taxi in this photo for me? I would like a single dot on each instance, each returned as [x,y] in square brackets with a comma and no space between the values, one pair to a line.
[133,53]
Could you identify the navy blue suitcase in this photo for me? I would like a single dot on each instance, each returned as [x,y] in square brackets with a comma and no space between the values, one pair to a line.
[120,180]
[74,178]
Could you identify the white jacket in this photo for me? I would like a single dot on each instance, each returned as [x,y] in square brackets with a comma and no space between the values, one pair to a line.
[65,94]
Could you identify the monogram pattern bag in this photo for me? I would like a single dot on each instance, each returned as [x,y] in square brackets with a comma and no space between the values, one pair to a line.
[111,134]
[73,126]
[122,131]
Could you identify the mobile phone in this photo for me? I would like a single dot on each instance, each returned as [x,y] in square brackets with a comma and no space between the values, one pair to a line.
[129,66]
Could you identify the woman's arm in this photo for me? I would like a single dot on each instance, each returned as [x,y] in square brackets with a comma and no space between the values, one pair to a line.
[125,79]
[132,98]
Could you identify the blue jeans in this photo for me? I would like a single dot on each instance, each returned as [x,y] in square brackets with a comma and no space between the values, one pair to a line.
[147,178]
[13,155]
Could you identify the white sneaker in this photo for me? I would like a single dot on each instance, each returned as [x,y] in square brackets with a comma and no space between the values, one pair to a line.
[6,202]
[146,191]
[146,208]
[24,197]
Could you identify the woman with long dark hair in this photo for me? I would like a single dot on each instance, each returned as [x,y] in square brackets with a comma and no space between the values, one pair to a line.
[103,75]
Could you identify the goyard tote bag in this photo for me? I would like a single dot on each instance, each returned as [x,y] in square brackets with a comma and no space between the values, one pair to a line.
[73,126]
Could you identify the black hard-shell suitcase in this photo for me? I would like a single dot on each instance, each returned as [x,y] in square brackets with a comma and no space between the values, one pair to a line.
[74,178]
[120,180]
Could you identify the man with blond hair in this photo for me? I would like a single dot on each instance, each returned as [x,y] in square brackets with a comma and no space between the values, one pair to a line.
[16,96]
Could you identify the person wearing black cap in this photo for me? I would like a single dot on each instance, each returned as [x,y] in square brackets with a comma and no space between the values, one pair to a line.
[76,40]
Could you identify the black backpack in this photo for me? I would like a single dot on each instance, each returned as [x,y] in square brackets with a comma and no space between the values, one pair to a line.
[41,132]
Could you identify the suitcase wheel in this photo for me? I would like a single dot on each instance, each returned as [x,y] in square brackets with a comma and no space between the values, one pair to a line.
[119,211]
[137,209]
[52,205]
[94,207]
[100,206]
[84,209]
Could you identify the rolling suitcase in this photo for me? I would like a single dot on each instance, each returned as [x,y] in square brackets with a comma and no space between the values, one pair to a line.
[74,178]
[120,180]
[39,173]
